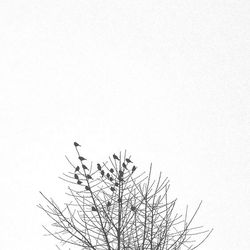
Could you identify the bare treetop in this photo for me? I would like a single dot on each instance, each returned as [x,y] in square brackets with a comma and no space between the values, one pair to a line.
[115,207]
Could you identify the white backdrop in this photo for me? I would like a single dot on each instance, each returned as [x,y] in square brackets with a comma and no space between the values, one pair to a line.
[166,80]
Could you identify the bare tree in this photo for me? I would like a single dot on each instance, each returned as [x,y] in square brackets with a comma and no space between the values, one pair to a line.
[113,207]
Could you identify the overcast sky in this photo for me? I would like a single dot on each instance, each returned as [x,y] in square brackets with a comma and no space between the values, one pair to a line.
[166,80]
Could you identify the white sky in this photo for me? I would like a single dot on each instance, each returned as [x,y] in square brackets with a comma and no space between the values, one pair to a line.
[166,80]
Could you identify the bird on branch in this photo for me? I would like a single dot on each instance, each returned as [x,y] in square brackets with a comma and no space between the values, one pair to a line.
[89,176]
[82,158]
[77,169]
[111,170]
[79,182]
[99,166]
[94,209]
[102,173]
[76,144]
[124,165]
[116,157]
[76,176]
[84,167]
[133,169]
[128,160]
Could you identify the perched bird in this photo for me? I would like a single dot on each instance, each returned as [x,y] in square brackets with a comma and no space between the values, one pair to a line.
[82,158]
[121,173]
[84,167]
[133,208]
[77,168]
[108,175]
[124,165]
[76,176]
[76,144]
[111,179]
[115,157]
[89,176]
[108,204]
[128,160]
[94,209]
[99,166]
[111,170]
[87,188]
[102,173]
[79,182]
[133,169]
[112,189]
[116,184]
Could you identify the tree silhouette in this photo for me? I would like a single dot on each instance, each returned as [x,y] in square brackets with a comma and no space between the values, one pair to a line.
[113,207]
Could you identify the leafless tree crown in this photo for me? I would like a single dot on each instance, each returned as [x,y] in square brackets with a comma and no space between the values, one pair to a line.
[114,207]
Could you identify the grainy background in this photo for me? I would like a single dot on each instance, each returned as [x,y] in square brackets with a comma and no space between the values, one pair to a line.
[166,80]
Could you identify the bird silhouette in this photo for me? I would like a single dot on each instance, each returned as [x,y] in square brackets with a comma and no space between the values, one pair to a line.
[99,166]
[115,157]
[79,182]
[128,160]
[108,204]
[112,189]
[82,158]
[87,188]
[84,167]
[108,175]
[76,176]
[124,165]
[121,173]
[77,168]
[116,184]
[133,169]
[133,208]
[76,144]
[89,176]
[111,179]
[94,209]
[102,173]
[111,170]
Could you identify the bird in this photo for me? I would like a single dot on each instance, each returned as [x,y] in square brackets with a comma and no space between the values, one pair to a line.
[99,166]
[133,208]
[79,182]
[128,160]
[121,173]
[108,175]
[76,144]
[89,176]
[124,165]
[82,158]
[102,173]
[76,176]
[94,209]
[116,184]
[111,179]
[108,204]
[111,170]
[77,168]
[115,157]
[112,189]
[84,167]
[87,188]
[133,169]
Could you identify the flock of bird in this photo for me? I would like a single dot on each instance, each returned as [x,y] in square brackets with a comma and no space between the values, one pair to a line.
[109,175]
